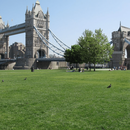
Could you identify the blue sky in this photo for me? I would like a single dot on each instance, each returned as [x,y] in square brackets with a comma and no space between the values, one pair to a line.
[69,18]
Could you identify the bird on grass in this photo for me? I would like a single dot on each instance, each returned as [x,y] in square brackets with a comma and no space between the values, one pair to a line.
[109,86]
[2,80]
[25,78]
[103,128]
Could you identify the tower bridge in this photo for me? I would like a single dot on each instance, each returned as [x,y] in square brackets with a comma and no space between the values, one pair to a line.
[121,43]
[36,29]
[37,45]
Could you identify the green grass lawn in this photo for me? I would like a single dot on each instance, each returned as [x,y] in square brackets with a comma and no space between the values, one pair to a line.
[60,100]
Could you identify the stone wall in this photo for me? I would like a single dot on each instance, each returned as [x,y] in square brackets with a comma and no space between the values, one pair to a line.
[62,64]
[47,65]
[11,65]
[116,59]
[25,63]
[7,66]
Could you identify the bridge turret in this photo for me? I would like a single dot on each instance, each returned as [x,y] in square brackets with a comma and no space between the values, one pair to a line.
[37,2]
[2,25]
[47,23]
[47,12]
[7,26]
[33,11]
[48,15]
[27,10]
[116,38]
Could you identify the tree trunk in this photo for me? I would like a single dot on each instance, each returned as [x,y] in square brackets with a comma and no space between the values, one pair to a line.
[90,66]
[76,66]
[94,66]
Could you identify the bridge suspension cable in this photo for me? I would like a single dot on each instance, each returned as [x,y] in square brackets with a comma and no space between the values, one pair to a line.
[111,42]
[127,41]
[49,45]
[64,46]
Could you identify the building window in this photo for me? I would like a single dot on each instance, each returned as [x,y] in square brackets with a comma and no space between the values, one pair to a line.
[129,33]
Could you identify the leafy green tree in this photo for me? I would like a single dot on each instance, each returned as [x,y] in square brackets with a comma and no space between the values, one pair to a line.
[106,50]
[86,42]
[67,55]
[95,47]
[73,55]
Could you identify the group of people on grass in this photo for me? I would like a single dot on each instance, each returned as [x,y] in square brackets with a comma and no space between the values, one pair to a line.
[119,68]
[81,69]
[71,69]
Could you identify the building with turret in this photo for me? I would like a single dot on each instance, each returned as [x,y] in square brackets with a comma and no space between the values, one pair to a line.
[3,41]
[17,50]
[34,47]
[36,17]
[35,53]
[121,43]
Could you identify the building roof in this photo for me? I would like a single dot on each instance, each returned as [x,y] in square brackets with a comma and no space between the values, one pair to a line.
[37,7]
[17,44]
[123,28]
[37,2]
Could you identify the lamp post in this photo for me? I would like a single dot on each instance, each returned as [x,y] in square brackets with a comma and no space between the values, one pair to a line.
[14,56]
[5,54]
[111,64]
[41,52]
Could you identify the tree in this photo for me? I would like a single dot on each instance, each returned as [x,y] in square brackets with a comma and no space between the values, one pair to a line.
[95,47]
[106,50]
[86,41]
[67,55]
[73,55]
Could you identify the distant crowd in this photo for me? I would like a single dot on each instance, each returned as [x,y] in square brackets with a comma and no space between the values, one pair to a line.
[71,69]
[120,68]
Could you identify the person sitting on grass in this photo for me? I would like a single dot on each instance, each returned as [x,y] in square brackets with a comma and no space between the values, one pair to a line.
[71,71]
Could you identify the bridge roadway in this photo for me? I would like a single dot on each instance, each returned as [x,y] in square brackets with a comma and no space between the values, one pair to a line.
[8,61]
[50,59]
[20,28]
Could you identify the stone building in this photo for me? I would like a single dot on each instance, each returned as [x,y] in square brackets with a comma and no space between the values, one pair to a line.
[34,46]
[17,50]
[3,41]
[121,43]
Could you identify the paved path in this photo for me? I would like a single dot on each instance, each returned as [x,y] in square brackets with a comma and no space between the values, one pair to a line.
[103,69]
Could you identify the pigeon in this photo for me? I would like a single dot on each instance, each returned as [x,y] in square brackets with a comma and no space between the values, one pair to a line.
[2,80]
[25,78]
[109,86]
[103,128]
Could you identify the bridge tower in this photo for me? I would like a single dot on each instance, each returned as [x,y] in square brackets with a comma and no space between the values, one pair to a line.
[4,41]
[120,45]
[34,46]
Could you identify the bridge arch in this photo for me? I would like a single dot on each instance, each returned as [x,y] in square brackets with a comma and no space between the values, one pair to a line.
[128,51]
[2,56]
[40,53]
[125,50]
[127,59]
